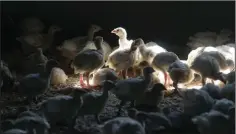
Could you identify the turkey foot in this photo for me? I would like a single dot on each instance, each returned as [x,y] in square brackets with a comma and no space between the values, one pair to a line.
[81,80]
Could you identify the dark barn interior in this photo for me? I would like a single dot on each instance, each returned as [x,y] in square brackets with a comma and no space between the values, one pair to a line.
[169,24]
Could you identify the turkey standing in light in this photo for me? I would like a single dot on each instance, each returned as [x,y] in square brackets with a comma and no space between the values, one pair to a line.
[88,61]
[180,73]
[211,68]
[228,51]
[58,76]
[198,51]
[223,64]
[104,74]
[146,52]
[162,61]
[122,34]
[122,59]
[224,58]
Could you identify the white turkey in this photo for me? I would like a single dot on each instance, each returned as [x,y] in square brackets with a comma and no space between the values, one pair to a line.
[122,59]
[124,43]
[146,52]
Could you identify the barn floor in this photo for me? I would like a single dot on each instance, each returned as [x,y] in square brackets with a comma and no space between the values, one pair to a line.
[10,104]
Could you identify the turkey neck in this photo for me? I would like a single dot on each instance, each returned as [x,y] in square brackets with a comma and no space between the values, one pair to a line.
[98,45]
[123,38]
[147,79]
[90,35]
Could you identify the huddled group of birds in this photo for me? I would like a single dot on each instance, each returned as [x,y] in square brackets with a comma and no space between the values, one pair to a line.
[136,71]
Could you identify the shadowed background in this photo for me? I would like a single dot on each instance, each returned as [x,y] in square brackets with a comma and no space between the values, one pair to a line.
[167,23]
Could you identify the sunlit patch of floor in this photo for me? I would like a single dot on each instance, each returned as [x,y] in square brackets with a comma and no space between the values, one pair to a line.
[76,83]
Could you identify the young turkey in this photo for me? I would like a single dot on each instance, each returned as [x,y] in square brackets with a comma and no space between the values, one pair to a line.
[122,59]
[230,77]
[152,121]
[124,43]
[122,125]
[94,102]
[151,98]
[133,88]
[104,74]
[212,90]
[58,76]
[213,122]
[180,73]
[146,52]
[224,106]
[228,91]
[196,102]
[61,108]
[161,63]
[32,124]
[88,61]
[211,68]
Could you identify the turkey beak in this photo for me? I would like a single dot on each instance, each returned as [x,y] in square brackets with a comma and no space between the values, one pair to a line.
[113,31]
